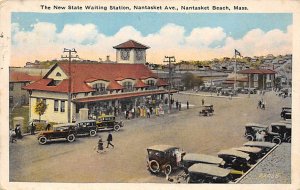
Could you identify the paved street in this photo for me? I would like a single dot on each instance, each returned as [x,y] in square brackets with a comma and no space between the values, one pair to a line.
[78,162]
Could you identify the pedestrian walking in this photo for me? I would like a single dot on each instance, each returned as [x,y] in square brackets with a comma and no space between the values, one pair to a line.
[109,140]
[100,145]
[12,136]
[179,106]
[259,104]
[33,128]
[202,101]
[148,112]
[187,104]
[18,131]
[48,127]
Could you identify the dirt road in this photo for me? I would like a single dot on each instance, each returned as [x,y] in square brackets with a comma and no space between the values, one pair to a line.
[78,162]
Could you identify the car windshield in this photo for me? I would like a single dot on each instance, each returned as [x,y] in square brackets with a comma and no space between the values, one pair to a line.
[155,153]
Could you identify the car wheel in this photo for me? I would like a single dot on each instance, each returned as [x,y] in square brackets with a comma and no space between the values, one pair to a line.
[92,133]
[71,138]
[168,169]
[153,166]
[42,140]
[117,127]
[250,137]
[276,140]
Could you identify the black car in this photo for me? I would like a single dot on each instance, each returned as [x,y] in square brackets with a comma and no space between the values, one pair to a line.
[207,110]
[284,130]
[235,159]
[253,129]
[162,158]
[86,127]
[286,113]
[65,131]
[108,122]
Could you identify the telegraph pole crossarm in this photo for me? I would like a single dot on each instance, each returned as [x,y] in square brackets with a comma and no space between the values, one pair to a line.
[70,57]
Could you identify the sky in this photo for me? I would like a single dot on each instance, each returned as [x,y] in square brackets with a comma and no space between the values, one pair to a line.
[187,36]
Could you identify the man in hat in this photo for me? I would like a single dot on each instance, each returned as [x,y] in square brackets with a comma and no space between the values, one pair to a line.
[109,140]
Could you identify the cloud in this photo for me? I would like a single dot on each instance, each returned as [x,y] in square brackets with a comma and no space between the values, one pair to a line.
[44,42]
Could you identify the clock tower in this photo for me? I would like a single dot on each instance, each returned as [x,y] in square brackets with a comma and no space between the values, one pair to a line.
[131,52]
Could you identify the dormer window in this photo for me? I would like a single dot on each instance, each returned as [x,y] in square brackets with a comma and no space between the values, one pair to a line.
[99,89]
[150,82]
[128,86]
[58,74]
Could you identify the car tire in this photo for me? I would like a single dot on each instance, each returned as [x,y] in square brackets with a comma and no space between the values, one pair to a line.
[153,166]
[276,140]
[168,169]
[93,133]
[250,137]
[117,127]
[71,138]
[42,140]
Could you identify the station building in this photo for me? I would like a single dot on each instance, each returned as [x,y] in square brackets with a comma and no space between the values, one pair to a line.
[98,87]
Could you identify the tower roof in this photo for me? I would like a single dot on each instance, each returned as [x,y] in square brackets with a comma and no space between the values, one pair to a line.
[131,44]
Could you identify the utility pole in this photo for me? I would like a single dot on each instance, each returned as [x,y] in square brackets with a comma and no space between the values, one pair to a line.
[169,60]
[70,56]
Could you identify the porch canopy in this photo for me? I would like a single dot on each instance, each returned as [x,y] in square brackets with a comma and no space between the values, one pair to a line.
[121,96]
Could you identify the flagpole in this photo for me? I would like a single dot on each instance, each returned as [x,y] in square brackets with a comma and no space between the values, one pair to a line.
[234,87]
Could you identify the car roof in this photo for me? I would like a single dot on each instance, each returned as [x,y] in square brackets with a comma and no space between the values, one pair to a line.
[247,149]
[286,107]
[86,121]
[282,124]
[259,144]
[234,153]
[255,125]
[161,147]
[202,158]
[209,169]
[207,105]
[64,125]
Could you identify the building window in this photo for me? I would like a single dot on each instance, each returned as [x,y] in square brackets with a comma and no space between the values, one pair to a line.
[62,106]
[150,82]
[127,86]
[55,105]
[86,94]
[11,100]
[99,88]
[11,86]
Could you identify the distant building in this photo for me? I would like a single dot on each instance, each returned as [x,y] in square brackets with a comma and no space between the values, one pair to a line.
[17,95]
[259,78]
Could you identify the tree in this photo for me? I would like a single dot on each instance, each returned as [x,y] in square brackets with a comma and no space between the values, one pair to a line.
[189,80]
[40,108]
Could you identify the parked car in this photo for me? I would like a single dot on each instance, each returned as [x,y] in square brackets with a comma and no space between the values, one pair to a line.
[235,159]
[265,146]
[207,173]
[86,127]
[191,158]
[253,129]
[255,153]
[284,130]
[65,131]
[286,113]
[207,110]
[162,158]
[108,122]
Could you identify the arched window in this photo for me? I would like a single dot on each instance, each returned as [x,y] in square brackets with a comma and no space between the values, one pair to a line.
[99,88]
[128,86]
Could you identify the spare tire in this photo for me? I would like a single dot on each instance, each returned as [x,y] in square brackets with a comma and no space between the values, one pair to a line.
[153,166]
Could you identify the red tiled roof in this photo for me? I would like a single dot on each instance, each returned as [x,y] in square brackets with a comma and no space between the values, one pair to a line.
[257,71]
[130,44]
[82,72]
[146,77]
[113,85]
[161,82]
[15,76]
[140,84]
[121,96]
[93,79]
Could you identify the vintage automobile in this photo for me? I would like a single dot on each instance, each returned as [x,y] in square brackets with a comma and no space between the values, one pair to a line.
[191,158]
[162,158]
[252,129]
[286,113]
[235,159]
[265,146]
[65,131]
[255,153]
[207,173]
[108,122]
[207,110]
[283,129]
[86,127]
